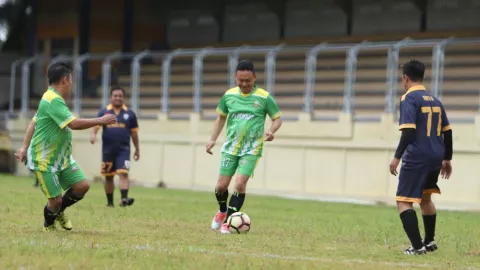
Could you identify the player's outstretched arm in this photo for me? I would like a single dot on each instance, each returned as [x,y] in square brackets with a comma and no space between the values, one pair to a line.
[217,128]
[85,123]
[22,152]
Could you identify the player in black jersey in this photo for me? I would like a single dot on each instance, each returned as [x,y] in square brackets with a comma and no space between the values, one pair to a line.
[425,148]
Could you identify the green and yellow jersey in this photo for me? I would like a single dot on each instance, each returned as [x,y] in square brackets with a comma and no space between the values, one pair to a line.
[246,120]
[51,146]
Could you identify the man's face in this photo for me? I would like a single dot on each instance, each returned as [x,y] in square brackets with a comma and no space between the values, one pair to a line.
[245,80]
[117,98]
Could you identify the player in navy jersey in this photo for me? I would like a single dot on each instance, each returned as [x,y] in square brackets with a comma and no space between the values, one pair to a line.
[425,148]
[116,146]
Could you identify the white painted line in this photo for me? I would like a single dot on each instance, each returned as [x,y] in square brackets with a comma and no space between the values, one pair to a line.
[192,249]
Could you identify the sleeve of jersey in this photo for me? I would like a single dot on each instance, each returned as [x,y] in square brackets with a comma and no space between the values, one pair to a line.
[408,113]
[133,123]
[60,113]
[222,108]
[445,122]
[272,108]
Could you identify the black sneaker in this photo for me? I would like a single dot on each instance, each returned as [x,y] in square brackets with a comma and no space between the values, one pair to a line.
[431,246]
[110,205]
[127,202]
[413,251]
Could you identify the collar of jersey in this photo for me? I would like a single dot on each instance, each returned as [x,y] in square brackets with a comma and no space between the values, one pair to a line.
[52,89]
[416,88]
[246,95]
[110,107]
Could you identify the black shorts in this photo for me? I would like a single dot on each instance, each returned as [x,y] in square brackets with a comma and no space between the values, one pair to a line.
[414,181]
[115,161]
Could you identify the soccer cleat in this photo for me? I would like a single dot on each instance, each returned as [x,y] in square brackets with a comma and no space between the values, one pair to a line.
[413,251]
[225,229]
[126,202]
[63,220]
[50,228]
[110,205]
[431,246]
[218,220]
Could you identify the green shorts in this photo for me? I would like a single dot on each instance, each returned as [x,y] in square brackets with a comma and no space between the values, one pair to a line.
[53,183]
[245,164]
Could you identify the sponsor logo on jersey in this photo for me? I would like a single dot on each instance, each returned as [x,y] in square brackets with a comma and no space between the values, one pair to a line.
[242,116]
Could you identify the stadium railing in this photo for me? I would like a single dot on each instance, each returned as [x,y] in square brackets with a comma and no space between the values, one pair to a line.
[438,54]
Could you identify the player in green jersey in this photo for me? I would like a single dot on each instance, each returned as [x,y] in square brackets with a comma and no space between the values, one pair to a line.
[47,148]
[246,107]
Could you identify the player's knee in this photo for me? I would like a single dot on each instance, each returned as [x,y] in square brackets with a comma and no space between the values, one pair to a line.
[81,188]
[109,178]
[54,204]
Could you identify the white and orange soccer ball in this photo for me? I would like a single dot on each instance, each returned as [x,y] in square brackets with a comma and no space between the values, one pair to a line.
[239,222]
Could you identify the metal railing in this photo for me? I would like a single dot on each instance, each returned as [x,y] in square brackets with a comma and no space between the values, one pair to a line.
[312,54]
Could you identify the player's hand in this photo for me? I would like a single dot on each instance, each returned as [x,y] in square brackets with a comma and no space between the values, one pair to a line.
[21,154]
[394,165]
[209,147]
[136,155]
[93,138]
[269,136]
[108,119]
[446,170]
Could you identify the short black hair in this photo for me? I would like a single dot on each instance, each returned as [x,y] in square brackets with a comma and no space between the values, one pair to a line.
[115,88]
[57,71]
[245,65]
[415,70]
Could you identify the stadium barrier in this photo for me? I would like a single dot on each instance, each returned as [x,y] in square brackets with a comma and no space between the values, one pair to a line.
[343,160]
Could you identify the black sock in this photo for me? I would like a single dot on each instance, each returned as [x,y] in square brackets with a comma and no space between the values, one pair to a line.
[49,216]
[109,198]
[222,200]
[410,224]
[236,203]
[124,193]
[69,199]
[429,224]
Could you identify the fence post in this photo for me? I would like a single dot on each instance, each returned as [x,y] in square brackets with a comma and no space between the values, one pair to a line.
[13,80]
[270,68]
[198,79]
[232,65]
[166,70]
[26,85]
[135,71]
[437,67]
[106,70]
[310,75]
[392,70]
[350,78]
[78,86]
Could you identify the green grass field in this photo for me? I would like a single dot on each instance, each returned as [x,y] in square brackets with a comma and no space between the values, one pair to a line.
[170,229]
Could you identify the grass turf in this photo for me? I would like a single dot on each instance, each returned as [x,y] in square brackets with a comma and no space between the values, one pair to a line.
[170,229]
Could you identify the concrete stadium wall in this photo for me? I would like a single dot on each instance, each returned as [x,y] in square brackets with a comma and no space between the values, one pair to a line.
[344,160]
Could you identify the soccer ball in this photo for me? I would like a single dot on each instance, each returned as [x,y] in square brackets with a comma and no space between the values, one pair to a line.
[239,223]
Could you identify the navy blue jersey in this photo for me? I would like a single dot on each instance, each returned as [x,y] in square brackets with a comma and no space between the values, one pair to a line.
[118,134]
[424,113]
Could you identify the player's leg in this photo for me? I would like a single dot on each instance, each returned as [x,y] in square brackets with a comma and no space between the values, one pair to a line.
[228,166]
[49,184]
[409,191]
[429,211]
[109,187]
[122,164]
[108,171]
[74,181]
[246,167]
